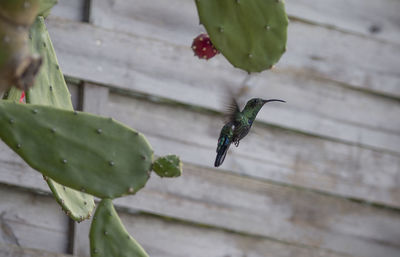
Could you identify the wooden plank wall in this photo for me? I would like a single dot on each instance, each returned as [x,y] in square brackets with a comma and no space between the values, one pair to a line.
[318,176]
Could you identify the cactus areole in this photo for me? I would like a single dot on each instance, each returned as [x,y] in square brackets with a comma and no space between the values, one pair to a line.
[251,34]
[203,47]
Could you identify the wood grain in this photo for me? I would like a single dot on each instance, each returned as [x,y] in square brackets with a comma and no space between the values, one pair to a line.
[108,57]
[378,19]
[210,197]
[177,239]
[94,98]
[236,203]
[9,250]
[180,16]
[69,9]
[281,193]
[266,153]
[357,61]
[31,220]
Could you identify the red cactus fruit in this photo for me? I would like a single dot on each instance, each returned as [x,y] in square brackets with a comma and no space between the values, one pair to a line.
[203,48]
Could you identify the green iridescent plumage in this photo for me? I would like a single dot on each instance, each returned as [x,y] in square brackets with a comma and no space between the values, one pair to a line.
[238,125]
[224,142]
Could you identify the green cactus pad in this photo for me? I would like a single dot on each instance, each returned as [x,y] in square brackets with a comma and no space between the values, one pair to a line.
[108,236]
[13,94]
[45,7]
[251,34]
[168,166]
[51,89]
[86,152]
[77,205]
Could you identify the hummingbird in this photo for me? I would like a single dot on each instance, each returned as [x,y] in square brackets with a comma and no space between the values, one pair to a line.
[238,125]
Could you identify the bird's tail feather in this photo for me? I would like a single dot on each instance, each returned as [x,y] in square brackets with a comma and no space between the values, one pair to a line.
[221,155]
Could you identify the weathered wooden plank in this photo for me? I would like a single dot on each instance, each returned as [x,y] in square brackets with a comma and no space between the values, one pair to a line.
[32,221]
[212,197]
[75,95]
[14,171]
[267,153]
[162,69]
[9,250]
[329,110]
[69,9]
[379,19]
[176,239]
[357,61]
[94,98]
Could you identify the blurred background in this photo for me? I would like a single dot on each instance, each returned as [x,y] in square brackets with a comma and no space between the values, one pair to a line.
[317,176]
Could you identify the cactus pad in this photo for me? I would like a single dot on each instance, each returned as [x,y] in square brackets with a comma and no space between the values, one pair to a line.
[86,152]
[13,94]
[168,166]
[51,89]
[45,7]
[108,236]
[77,205]
[251,34]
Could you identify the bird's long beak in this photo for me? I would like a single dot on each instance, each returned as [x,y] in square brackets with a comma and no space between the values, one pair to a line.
[273,100]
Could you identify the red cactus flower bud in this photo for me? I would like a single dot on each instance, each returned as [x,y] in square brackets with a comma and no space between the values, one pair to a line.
[203,48]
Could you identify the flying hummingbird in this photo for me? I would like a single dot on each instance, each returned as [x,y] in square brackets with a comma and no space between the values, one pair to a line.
[238,125]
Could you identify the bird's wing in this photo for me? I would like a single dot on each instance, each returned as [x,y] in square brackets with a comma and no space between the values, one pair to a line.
[232,109]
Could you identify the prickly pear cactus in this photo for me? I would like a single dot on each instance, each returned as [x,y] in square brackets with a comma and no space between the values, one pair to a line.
[77,205]
[168,166]
[251,34]
[203,48]
[45,7]
[86,152]
[51,89]
[108,236]
[18,67]
[13,94]
[89,153]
